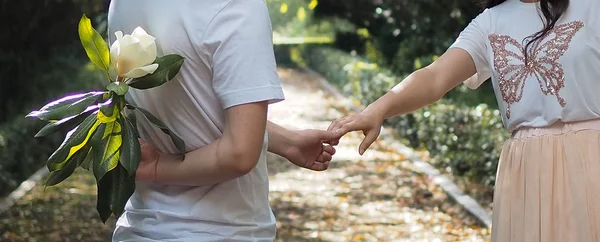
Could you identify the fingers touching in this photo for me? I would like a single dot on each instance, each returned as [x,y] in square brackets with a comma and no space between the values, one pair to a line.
[356,122]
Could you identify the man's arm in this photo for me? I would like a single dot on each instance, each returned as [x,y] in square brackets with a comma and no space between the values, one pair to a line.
[233,155]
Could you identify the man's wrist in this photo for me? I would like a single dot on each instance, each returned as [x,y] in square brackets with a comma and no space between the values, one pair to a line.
[290,142]
[165,166]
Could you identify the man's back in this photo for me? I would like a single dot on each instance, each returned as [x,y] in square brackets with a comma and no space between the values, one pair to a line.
[228,61]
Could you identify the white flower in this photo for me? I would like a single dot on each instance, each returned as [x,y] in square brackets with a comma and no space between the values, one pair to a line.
[134,54]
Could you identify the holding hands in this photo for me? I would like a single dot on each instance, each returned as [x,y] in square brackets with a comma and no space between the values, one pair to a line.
[366,121]
[310,149]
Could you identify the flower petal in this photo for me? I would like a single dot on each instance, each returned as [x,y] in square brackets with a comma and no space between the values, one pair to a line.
[146,40]
[141,71]
[135,56]
[128,40]
[114,48]
[133,51]
[139,31]
[150,54]
[119,36]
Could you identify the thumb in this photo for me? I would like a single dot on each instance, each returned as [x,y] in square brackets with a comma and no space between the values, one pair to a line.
[369,139]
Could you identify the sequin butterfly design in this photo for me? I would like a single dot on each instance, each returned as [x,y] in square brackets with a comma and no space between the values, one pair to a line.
[542,63]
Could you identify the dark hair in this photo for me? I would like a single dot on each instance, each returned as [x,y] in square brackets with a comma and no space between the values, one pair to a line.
[552,11]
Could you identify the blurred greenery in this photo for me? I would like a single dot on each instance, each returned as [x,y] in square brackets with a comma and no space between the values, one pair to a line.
[40,58]
[404,35]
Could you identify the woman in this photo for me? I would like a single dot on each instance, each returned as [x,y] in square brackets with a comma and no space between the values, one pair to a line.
[543,58]
[218,105]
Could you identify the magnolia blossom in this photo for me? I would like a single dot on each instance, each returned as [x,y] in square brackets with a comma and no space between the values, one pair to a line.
[133,55]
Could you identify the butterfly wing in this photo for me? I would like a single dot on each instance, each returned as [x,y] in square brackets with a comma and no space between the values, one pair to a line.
[509,62]
[546,67]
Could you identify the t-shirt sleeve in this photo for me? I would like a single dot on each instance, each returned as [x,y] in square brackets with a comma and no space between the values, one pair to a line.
[242,58]
[473,39]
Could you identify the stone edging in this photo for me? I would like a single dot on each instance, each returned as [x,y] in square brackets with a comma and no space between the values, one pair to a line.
[26,186]
[434,174]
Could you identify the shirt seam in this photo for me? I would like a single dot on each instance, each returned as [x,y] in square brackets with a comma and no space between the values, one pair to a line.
[250,89]
[213,20]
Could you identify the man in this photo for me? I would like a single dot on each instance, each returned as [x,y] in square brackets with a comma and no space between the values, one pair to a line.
[218,105]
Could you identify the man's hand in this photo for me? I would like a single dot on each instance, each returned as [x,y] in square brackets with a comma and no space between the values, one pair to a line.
[310,149]
[148,164]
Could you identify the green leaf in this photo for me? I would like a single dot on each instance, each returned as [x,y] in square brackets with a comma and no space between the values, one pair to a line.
[133,120]
[123,186]
[89,157]
[107,111]
[131,151]
[67,106]
[93,43]
[97,147]
[76,139]
[178,142]
[114,190]
[66,124]
[168,67]
[120,88]
[104,196]
[59,176]
[107,149]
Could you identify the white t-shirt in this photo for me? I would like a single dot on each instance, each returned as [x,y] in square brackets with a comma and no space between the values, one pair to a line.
[562,80]
[229,60]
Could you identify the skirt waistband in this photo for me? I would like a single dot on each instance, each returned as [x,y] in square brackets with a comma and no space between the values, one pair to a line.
[558,128]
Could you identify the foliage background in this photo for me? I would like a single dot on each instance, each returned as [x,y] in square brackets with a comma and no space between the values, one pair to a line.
[40,58]
[362,46]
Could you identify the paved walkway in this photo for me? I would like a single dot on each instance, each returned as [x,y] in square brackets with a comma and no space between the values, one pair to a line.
[377,197]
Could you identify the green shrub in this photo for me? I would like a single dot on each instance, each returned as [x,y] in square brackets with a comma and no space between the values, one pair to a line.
[461,139]
[20,153]
[403,36]
[294,18]
[465,140]
[41,58]
[31,33]
[418,28]
[366,81]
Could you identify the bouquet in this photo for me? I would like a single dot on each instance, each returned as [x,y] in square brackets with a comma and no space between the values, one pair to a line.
[101,137]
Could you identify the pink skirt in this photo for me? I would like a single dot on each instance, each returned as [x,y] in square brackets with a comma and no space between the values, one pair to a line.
[548,185]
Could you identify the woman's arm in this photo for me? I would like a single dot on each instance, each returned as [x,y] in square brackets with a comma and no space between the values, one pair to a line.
[421,88]
[233,155]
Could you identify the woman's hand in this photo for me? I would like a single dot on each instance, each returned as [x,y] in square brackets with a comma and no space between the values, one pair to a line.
[368,121]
